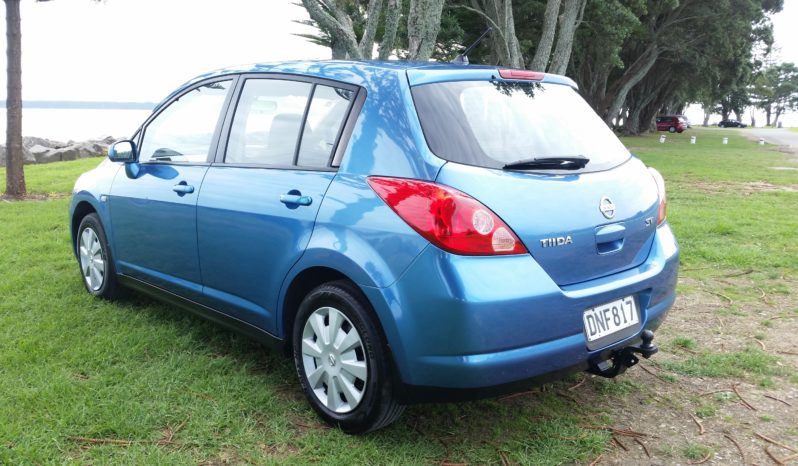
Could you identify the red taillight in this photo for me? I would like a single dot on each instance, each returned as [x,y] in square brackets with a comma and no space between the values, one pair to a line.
[663,198]
[522,74]
[448,218]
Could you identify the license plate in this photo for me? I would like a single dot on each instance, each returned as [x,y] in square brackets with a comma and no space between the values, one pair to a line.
[608,318]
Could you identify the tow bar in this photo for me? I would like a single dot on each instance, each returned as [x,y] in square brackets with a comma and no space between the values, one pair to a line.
[625,357]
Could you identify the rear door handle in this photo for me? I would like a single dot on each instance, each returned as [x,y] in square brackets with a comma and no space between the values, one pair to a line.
[295,199]
[183,188]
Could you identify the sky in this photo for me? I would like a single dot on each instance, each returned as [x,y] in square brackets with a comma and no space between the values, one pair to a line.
[140,50]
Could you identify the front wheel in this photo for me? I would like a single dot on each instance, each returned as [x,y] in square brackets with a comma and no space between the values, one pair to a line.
[342,363]
[94,257]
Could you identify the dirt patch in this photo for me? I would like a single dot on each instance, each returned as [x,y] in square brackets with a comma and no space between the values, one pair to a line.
[33,197]
[713,187]
[701,419]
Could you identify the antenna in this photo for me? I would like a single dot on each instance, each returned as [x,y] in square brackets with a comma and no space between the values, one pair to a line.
[463,57]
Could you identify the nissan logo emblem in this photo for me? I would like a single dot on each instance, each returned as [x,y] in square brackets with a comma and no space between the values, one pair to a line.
[607,207]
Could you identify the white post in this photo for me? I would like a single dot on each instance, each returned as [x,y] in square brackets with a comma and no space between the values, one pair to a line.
[761,141]
[725,140]
[662,139]
[692,139]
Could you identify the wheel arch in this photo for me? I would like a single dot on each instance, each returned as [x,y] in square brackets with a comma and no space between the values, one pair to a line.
[79,212]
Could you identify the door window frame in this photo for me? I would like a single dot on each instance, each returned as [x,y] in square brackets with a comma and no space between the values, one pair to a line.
[220,119]
[342,138]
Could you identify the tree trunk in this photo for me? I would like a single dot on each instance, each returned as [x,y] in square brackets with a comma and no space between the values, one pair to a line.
[337,24]
[724,114]
[366,45]
[569,21]
[753,118]
[768,110]
[543,50]
[738,114]
[423,24]
[707,114]
[631,77]
[15,174]
[392,14]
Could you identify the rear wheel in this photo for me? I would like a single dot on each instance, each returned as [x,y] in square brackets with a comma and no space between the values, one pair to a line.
[341,360]
[94,257]
[672,129]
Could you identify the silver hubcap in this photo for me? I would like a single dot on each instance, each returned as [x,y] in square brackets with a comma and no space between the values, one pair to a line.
[92,259]
[334,360]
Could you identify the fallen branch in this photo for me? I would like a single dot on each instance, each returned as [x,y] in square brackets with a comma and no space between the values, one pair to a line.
[778,399]
[654,374]
[738,274]
[703,460]
[778,444]
[722,390]
[788,352]
[621,432]
[642,445]
[739,448]
[794,456]
[596,461]
[584,379]
[762,344]
[516,395]
[745,402]
[731,301]
[773,457]
[505,461]
[698,423]
[618,442]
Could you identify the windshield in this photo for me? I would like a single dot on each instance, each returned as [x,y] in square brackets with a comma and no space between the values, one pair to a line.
[494,123]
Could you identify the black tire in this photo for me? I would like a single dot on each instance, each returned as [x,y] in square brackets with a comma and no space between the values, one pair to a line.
[672,129]
[109,287]
[378,405]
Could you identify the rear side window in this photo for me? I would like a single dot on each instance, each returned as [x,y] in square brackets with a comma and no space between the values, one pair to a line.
[493,123]
[271,114]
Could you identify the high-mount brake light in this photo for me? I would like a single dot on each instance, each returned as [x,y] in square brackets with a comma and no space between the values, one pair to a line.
[448,218]
[663,198]
[522,74]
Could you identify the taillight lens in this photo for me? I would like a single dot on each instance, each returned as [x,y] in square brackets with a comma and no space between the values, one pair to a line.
[663,198]
[448,218]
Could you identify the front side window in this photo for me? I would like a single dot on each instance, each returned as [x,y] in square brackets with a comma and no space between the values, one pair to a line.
[183,132]
[494,123]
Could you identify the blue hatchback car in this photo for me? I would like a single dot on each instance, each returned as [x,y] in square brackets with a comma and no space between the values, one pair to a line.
[407,231]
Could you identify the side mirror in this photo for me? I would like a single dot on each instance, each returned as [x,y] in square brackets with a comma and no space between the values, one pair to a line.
[123,151]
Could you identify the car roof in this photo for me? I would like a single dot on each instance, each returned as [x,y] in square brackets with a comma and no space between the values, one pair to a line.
[366,73]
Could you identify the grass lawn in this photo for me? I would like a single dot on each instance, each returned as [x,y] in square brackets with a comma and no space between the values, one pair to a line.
[135,382]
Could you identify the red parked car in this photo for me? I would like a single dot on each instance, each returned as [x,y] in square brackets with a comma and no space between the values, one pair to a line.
[672,124]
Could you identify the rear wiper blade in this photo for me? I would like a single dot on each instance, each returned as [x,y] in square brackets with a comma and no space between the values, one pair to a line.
[550,163]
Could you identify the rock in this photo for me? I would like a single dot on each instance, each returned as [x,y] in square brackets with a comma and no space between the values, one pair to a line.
[30,141]
[27,156]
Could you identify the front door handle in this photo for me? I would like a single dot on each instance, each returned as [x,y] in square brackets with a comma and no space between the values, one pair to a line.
[183,188]
[291,199]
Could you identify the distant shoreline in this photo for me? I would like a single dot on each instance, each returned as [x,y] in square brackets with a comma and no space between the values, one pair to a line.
[84,105]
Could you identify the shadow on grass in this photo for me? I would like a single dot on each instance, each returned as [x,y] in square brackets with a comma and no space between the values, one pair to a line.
[543,425]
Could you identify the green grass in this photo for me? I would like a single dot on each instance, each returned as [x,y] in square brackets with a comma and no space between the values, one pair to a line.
[54,178]
[737,364]
[136,370]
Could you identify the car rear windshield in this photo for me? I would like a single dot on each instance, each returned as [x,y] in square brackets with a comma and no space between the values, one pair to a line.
[493,123]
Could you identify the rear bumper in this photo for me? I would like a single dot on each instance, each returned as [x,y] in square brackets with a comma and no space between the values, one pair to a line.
[481,324]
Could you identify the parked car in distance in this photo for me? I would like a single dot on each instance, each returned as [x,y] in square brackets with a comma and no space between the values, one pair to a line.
[671,123]
[407,232]
[686,120]
[731,124]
